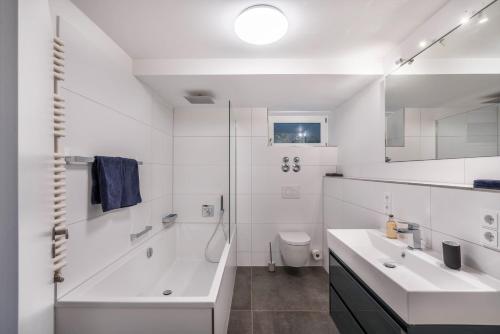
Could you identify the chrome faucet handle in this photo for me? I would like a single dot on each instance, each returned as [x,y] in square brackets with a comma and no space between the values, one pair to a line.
[414,230]
[412,226]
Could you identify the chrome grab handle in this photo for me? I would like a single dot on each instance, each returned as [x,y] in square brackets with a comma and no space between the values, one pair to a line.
[135,236]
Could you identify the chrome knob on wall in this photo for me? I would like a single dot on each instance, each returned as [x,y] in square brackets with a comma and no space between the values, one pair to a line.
[296,168]
[285,160]
[285,168]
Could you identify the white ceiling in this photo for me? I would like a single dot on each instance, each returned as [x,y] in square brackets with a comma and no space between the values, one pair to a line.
[282,92]
[353,30]
[204,28]
[472,40]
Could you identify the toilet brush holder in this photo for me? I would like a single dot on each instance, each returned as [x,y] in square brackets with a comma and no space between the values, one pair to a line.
[271,266]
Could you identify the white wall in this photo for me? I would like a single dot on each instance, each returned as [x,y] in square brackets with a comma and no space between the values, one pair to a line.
[35,147]
[200,176]
[109,112]
[8,170]
[261,212]
[443,213]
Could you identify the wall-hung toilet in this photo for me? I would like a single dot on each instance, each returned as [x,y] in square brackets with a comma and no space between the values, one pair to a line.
[294,248]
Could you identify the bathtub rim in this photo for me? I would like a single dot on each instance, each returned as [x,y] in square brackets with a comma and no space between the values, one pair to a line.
[204,301]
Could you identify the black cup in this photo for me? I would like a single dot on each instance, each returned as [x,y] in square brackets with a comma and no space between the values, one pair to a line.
[451,254]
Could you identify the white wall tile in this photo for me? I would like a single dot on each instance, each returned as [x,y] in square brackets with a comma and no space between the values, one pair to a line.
[160,207]
[369,195]
[259,122]
[101,76]
[161,147]
[482,168]
[270,179]
[244,235]
[201,121]
[243,118]
[244,259]
[473,255]
[244,209]
[97,242]
[244,179]
[92,129]
[244,151]
[333,187]
[161,180]
[262,154]
[261,259]
[201,151]
[274,209]
[458,212]
[411,203]
[188,207]
[354,216]
[333,213]
[201,179]
[162,116]
[109,112]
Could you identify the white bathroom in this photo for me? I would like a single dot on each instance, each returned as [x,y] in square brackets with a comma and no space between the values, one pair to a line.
[209,167]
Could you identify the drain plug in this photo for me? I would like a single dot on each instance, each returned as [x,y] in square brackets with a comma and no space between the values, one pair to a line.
[389,265]
[167,292]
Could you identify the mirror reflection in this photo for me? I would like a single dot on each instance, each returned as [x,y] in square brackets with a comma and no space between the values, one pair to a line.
[444,103]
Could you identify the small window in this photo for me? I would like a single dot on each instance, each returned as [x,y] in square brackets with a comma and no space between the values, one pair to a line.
[298,130]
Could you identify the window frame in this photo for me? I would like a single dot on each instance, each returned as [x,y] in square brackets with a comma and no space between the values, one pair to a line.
[321,119]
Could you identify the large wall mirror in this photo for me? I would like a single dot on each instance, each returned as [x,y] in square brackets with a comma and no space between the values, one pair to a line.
[445,102]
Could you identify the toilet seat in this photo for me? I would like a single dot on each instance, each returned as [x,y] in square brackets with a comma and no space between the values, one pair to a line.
[295,238]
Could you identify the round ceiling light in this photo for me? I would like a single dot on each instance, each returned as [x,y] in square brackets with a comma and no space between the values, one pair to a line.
[261,25]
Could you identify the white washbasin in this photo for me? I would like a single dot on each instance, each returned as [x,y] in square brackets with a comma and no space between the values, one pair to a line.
[420,289]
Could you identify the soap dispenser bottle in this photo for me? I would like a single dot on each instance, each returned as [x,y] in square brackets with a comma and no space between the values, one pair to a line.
[390,227]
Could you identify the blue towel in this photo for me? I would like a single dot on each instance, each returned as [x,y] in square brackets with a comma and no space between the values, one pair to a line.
[115,183]
[487,184]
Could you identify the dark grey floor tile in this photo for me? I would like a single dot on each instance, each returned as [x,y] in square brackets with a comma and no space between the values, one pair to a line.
[304,289]
[242,293]
[240,322]
[291,322]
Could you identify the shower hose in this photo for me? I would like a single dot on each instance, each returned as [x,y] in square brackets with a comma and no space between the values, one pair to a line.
[221,224]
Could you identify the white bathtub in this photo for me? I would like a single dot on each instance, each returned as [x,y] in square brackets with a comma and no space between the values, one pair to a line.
[127,297]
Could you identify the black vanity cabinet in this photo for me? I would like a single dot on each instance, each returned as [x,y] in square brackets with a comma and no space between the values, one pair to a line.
[365,311]
[356,309]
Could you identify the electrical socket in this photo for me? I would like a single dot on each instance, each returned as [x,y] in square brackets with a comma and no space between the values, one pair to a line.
[489,237]
[387,203]
[489,219]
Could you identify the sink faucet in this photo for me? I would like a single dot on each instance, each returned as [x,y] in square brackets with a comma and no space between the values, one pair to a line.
[414,230]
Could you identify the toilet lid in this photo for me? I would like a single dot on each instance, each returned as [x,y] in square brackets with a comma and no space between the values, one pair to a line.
[295,238]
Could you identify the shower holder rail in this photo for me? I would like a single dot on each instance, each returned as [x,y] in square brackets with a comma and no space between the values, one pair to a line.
[135,236]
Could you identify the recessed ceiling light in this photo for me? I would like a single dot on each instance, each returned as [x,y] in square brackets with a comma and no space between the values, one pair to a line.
[422,44]
[261,24]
